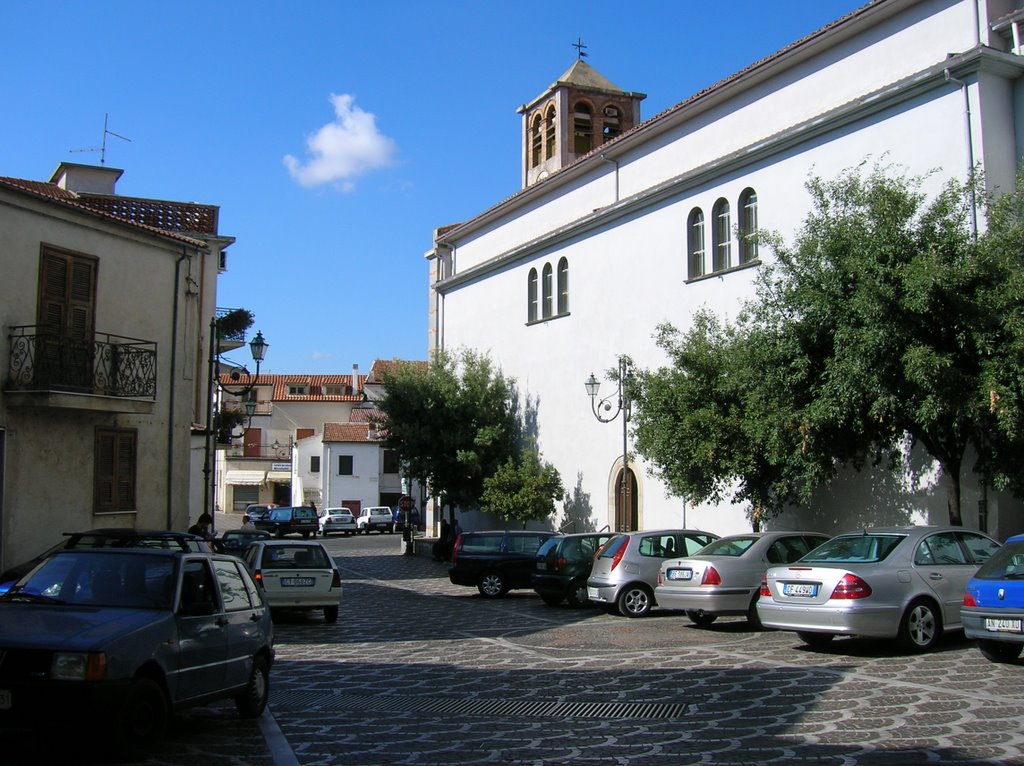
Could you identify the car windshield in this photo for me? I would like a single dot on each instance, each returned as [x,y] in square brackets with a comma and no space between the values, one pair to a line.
[134,581]
[864,548]
[733,546]
[295,557]
[1006,564]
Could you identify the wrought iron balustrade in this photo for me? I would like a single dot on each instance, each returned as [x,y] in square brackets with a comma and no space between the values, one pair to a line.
[103,364]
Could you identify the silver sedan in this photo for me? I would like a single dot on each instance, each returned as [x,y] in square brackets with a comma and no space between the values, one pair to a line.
[896,582]
[724,578]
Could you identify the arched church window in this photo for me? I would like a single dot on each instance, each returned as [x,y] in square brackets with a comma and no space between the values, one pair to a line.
[531,299]
[748,226]
[695,244]
[545,306]
[583,129]
[563,286]
[536,141]
[551,134]
[611,122]
[722,235]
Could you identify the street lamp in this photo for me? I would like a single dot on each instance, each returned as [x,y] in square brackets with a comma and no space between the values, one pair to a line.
[621,396]
[258,348]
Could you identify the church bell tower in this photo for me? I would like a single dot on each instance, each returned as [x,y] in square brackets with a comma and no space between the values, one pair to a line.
[579,112]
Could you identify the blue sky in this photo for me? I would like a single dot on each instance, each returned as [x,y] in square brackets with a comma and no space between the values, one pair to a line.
[335,136]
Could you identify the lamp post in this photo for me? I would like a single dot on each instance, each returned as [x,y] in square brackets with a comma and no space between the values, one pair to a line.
[258,348]
[622,406]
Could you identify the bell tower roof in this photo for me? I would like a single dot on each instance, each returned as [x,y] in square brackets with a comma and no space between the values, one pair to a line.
[578,112]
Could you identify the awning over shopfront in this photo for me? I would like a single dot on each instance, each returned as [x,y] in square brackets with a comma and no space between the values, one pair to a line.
[244,477]
[279,476]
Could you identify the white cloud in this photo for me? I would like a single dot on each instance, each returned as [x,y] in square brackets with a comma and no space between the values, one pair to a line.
[319,356]
[343,149]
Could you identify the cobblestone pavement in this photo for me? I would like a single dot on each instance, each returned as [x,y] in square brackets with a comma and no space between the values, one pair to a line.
[421,672]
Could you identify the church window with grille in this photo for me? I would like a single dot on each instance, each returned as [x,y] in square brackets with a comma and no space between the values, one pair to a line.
[722,239]
[748,226]
[695,244]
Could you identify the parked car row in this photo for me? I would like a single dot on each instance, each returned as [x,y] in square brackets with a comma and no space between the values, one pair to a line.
[911,584]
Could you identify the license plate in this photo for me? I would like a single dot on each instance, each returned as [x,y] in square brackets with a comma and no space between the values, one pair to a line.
[680,574]
[298,582]
[592,594]
[1003,626]
[542,566]
[803,589]
[5,699]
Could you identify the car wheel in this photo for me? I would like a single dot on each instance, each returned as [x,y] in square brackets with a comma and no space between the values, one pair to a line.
[577,594]
[753,618]
[305,535]
[142,720]
[279,532]
[551,599]
[634,601]
[253,699]
[491,585]
[815,640]
[698,617]
[330,614]
[921,626]
[999,651]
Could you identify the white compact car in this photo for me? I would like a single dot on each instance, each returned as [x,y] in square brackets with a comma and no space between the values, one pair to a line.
[337,520]
[378,517]
[296,574]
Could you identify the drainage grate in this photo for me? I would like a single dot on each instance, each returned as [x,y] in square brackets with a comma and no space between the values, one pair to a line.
[394,703]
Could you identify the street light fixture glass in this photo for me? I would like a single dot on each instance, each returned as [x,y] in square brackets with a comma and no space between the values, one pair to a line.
[592,385]
[258,346]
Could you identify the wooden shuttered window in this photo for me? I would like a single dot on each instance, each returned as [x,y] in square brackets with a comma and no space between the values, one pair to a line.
[67,293]
[114,457]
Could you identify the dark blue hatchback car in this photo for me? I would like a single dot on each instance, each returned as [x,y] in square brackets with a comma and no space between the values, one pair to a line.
[993,610]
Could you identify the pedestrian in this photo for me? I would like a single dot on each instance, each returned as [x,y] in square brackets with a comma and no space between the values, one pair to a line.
[202,526]
[442,541]
[247,524]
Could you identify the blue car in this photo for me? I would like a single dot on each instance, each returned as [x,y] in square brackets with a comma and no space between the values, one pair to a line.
[993,610]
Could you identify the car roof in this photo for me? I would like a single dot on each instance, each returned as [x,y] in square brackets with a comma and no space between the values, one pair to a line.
[274,543]
[130,532]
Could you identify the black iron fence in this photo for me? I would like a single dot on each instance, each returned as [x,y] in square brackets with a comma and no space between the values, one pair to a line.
[104,364]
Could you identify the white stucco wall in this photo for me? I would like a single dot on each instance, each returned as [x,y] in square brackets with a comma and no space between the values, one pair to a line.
[627,272]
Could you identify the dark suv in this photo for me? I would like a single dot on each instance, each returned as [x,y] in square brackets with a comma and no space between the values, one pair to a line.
[562,566]
[495,562]
[300,519]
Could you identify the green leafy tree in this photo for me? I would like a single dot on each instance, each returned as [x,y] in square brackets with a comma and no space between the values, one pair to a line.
[523,489]
[887,319]
[452,423]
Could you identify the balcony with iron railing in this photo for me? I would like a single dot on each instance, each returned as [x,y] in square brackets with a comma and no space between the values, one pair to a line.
[100,372]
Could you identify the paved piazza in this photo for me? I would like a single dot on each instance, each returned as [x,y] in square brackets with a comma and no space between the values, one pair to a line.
[420,672]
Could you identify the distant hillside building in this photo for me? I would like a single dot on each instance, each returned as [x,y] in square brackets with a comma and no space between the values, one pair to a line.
[623,224]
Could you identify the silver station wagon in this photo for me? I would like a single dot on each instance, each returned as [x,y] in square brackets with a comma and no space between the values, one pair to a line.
[896,582]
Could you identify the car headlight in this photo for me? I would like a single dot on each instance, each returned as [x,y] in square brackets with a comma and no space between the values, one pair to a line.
[79,666]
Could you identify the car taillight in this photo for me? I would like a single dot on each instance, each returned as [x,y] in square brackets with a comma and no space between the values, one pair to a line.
[969,599]
[456,548]
[851,587]
[560,564]
[258,576]
[711,577]
[765,591]
[336,579]
[619,554]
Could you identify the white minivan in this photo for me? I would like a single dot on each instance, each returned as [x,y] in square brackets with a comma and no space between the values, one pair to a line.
[377,517]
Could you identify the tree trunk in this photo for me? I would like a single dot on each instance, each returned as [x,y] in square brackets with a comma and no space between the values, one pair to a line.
[953,491]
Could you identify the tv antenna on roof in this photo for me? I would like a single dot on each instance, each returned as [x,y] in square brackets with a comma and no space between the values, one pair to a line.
[102,148]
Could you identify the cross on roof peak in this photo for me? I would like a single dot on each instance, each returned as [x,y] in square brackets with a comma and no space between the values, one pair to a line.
[579,46]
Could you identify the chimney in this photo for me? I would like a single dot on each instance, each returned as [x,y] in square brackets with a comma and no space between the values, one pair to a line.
[355,380]
[88,179]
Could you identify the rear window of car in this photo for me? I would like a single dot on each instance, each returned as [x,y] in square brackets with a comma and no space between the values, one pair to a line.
[612,548]
[865,548]
[1007,563]
[295,557]
[525,543]
[280,514]
[735,546]
[481,543]
[550,545]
